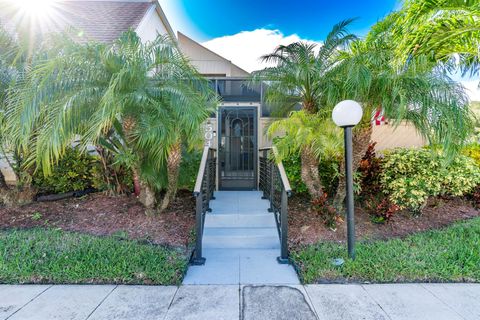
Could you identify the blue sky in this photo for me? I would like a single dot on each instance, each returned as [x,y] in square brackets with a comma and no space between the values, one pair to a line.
[242,31]
[310,19]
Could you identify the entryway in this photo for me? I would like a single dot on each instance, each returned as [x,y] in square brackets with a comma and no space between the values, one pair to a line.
[237,148]
[241,243]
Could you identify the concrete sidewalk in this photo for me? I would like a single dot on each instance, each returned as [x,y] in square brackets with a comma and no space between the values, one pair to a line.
[390,301]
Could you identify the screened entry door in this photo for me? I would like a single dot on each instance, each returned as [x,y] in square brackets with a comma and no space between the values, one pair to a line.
[237,150]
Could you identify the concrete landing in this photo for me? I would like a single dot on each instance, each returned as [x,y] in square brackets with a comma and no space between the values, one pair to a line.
[240,243]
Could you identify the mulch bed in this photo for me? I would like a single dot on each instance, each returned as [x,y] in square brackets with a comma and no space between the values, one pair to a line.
[102,215]
[305,227]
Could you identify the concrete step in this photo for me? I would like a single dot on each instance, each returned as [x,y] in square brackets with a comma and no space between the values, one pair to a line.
[241,238]
[244,207]
[254,220]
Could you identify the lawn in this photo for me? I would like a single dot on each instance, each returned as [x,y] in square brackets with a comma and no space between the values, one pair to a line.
[55,256]
[450,254]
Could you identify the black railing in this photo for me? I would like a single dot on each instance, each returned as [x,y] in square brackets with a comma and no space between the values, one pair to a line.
[203,193]
[276,188]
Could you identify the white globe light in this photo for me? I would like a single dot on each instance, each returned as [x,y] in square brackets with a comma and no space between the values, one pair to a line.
[347,113]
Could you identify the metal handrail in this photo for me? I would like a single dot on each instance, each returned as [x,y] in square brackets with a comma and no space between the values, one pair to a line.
[203,193]
[276,188]
[281,169]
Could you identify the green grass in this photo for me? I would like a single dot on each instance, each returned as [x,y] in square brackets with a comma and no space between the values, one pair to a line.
[451,254]
[54,256]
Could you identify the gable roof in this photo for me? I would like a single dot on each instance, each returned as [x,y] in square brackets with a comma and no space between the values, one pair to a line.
[103,21]
[99,20]
[207,61]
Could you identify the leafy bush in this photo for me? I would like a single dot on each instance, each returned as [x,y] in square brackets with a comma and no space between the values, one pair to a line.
[328,170]
[189,169]
[381,209]
[370,170]
[411,176]
[473,151]
[107,176]
[73,172]
[325,210]
[293,169]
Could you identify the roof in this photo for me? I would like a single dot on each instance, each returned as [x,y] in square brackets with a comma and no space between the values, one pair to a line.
[102,21]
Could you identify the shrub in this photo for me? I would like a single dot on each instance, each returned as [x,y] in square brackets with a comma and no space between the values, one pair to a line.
[189,169]
[293,169]
[325,210]
[328,170]
[473,151]
[411,176]
[381,209]
[370,170]
[111,177]
[73,172]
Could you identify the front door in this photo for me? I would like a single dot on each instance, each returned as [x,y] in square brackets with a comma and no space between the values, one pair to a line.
[237,150]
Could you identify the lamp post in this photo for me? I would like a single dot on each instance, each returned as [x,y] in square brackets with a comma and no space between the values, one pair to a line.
[347,114]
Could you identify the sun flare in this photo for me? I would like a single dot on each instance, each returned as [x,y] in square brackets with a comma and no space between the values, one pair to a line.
[37,8]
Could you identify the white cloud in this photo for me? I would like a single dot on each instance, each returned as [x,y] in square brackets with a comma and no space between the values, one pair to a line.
[245,48]
[472,89]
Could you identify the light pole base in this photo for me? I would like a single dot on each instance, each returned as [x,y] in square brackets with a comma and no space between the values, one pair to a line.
[198,261]
[281,260]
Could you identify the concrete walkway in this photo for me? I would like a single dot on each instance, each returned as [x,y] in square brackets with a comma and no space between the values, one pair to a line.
[330,302]
[241,243]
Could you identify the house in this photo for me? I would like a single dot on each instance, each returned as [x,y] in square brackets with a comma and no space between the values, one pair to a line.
[98,20]
[237,130]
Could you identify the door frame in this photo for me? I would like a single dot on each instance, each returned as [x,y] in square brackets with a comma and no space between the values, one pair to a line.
[255,108]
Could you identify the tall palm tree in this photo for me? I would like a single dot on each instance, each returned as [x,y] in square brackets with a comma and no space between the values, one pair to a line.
[418,92]
[300,76]
[448,31]
[17,56]
[144,97]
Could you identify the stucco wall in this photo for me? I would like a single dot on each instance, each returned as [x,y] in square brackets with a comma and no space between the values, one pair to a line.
[208,62]
[151,26]
[402,136]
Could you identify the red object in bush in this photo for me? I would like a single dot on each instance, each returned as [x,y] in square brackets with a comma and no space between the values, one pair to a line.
[325,210]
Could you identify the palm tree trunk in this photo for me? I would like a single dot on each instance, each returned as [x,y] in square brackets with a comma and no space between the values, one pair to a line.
[310,174]
[136,182]
[3,183]
[147,198]
[361,141]
[173,166]
[143,192]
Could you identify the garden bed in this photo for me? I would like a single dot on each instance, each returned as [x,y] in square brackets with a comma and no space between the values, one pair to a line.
[102,215]
[307,228]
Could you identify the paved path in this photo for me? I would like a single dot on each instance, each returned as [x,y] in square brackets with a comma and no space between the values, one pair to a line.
[240,243]
[330,302]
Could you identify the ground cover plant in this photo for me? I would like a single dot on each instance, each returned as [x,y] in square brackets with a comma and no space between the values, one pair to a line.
[56,256]
[410,176]
[73,172]
[449,254]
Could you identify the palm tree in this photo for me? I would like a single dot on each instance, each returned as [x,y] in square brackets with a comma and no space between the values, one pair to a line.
[418,92]
[137,100]
[301,76]
[448,31]
[17,56]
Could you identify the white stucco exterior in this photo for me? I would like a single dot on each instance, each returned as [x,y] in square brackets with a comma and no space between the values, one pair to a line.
[208,62]
[154,23]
